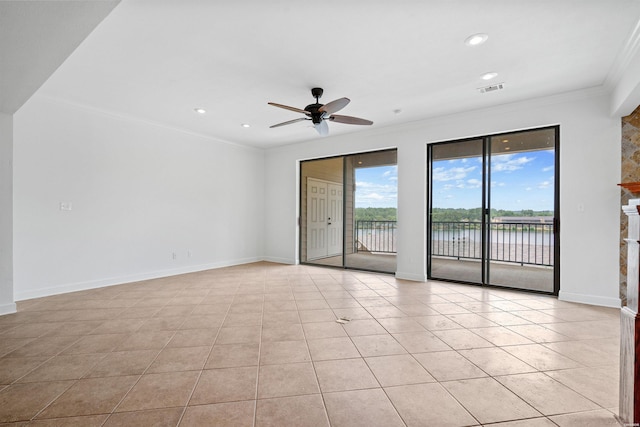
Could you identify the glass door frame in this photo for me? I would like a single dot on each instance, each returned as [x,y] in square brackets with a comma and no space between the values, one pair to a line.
[486,209]
[345,170]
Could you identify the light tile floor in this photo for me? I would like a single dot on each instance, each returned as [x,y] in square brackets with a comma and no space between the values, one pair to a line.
[258,345]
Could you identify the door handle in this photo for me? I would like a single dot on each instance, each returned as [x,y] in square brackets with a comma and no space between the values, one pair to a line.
[328,221]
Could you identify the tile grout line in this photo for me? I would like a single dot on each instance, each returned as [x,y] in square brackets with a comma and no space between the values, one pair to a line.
[255,400]
[313,364]
[124,396]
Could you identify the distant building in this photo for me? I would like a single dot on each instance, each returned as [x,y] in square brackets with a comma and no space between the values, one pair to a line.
[525,219]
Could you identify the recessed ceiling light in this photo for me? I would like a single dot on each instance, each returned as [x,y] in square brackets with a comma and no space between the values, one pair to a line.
[489,76]
[507,148]
[200,110]
[476,39]
[245,125]
[397,111]
[505,140]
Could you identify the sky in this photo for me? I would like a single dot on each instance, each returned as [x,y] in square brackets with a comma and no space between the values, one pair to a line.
[377,187]
[518,181]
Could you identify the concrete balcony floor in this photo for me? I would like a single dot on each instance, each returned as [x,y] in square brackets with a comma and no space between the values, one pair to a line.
[537,278]
[529,277]
[385,263]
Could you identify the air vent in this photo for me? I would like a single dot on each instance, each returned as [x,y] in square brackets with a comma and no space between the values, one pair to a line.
[491,88]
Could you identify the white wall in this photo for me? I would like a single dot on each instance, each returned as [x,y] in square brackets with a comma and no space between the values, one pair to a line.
[589,171]
[6,214]
[139,193]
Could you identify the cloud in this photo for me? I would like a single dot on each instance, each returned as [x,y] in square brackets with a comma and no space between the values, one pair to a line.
[474,183]
[391,174]
[443,174]
[376,194]
[545,184]
[373,196]
[547,169]
[509,162]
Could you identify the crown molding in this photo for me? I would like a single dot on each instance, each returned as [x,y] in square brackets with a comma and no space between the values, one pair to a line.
[630,49]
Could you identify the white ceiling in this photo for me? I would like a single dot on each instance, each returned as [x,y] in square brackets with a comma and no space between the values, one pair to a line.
[36,37]
[157,60]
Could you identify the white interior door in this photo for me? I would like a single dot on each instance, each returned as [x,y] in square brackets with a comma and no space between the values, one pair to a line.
[324,219]
[334,219]
[316,219]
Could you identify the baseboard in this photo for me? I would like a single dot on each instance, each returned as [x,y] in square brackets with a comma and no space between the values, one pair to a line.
[279,260]
[7,308]
[590,299]
[411,276]
[83,286]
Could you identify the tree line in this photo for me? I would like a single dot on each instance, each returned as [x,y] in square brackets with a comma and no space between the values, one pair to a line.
[445,214]
[376,214]
[475,214]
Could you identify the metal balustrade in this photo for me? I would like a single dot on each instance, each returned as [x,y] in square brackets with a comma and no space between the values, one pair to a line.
[376,236]
[519,242]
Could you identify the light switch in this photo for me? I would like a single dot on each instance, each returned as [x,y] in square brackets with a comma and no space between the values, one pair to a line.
[66,206]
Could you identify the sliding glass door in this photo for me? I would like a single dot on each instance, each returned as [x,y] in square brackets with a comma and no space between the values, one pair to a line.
[348,207]
[457,194]
[493,209]
[521,215]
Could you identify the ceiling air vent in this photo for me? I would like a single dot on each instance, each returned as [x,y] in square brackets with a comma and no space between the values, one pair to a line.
[492,88]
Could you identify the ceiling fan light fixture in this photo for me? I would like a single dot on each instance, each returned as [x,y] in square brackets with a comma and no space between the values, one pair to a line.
[476,39]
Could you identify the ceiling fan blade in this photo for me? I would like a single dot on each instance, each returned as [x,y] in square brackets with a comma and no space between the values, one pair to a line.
[286,107]
[289,122]
[322,128]
[350,120]
[334,106]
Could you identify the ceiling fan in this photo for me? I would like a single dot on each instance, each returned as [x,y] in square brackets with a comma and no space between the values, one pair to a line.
[319,113]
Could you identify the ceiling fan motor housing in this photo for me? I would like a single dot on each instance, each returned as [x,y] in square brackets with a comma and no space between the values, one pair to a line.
[316,116]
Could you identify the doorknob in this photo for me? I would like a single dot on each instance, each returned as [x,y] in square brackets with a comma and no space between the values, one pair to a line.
[329,221]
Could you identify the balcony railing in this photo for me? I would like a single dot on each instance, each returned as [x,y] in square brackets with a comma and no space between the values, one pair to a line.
[376,236]
[519,242]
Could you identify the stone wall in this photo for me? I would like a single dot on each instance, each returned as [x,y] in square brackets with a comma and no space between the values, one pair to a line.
[630,173]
